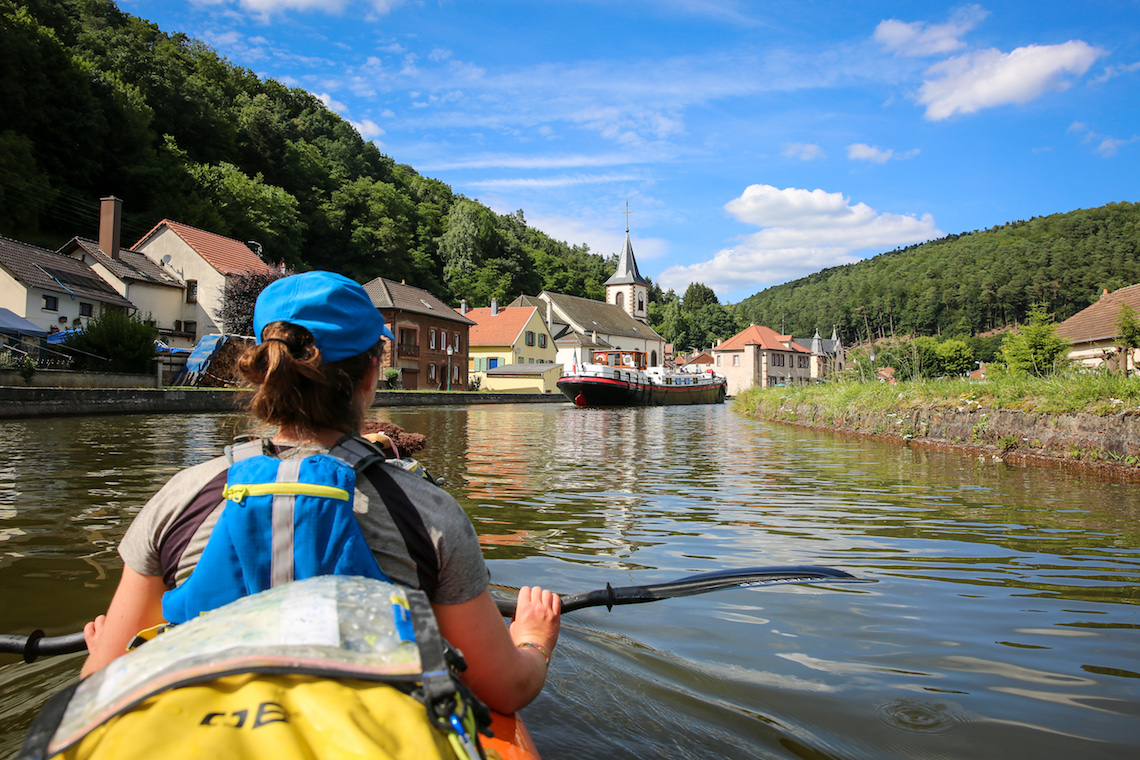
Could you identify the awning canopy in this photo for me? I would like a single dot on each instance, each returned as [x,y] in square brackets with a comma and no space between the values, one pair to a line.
[13,324]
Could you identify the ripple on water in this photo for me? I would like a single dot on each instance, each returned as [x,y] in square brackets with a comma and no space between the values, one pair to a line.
[918,716]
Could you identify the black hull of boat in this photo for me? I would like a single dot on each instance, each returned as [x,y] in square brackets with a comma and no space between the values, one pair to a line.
[597,391]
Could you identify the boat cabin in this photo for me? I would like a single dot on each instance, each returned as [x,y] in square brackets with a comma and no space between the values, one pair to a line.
[627,359]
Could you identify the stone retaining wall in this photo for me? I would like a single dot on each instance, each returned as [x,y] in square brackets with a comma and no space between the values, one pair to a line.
[1073,438]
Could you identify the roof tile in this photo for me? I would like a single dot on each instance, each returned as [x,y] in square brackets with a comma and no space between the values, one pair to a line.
[765,337]
[388,294]
[503,329]
[225,254]
[1098,321]
[37,267]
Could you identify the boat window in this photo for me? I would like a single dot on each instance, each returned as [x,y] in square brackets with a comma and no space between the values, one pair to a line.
[668,381]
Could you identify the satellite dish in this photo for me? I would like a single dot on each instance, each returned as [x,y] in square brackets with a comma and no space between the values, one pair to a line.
[166,259]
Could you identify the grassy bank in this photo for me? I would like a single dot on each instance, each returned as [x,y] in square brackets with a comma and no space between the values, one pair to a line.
[1069,393]
[1081,421]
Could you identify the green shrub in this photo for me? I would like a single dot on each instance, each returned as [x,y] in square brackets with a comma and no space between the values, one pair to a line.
[114,342]
[27,369]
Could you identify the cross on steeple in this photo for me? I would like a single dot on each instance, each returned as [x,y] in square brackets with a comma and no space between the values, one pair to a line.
[627,212]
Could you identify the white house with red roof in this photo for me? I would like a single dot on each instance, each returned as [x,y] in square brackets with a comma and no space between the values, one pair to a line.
[203,261]
[511,335]
[1095,335]
[760,356]
[156,292]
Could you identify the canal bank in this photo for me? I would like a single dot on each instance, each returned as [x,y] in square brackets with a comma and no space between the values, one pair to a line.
[1075,441]
[16,402]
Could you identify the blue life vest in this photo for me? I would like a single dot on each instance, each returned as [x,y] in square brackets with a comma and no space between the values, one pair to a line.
[283,520]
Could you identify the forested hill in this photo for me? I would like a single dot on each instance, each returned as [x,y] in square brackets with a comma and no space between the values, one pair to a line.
[97,102]
[964,284]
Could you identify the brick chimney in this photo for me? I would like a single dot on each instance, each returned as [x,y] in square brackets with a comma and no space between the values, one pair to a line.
[110,223]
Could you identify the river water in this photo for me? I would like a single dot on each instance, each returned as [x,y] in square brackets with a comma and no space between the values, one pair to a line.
[1002,621]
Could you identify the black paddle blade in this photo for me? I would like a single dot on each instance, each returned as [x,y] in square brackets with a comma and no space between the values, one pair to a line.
[702,583]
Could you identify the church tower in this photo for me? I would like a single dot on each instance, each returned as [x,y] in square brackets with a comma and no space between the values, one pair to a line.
[627,289]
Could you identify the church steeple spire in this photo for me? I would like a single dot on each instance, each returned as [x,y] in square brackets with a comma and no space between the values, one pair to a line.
[627,289]
[627,272]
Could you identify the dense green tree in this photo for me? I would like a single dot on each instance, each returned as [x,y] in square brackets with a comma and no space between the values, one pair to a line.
[1035,348]
[247,209]
[239,297]
[697,296]
[927,361]
[99,102]
[956,357]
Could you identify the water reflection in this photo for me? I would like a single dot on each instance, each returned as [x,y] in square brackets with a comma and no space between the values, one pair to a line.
[1003,623]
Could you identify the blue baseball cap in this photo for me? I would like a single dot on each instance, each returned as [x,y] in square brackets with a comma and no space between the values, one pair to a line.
[336,310]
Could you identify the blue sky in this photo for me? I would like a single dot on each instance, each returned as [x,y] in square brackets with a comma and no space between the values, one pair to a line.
[755,142]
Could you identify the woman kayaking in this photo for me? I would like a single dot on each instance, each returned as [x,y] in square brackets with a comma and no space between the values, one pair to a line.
[314,371]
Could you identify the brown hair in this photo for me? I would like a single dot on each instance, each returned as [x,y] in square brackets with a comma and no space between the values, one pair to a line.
[294,388]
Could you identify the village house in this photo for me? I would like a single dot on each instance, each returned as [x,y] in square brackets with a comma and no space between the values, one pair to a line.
[52,291]
[1094,334]
[202,261]
[506,336]
[432,339]
[696,363]
[759,356]
[828,357]
[155,291]
[581,326]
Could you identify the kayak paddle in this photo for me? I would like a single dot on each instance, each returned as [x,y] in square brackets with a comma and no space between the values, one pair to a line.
[702,583]
[37,644]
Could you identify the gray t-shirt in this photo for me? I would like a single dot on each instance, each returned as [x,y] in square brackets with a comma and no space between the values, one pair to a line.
[420,529]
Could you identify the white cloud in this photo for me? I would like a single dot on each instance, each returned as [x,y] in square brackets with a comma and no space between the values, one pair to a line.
[550,182]
[988,78]
[509,161]
[917,38]
[803,231]
[332,105]
[368,129]
[1110,72]
[865,152]
[1107,146]
[267,7]
[802,151]
[875,154]
[604,240]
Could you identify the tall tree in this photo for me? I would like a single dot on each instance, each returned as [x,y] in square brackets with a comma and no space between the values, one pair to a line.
[697,296]
[1035,348]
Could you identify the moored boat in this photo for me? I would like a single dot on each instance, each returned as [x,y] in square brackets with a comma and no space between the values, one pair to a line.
[327,668]
[621,378]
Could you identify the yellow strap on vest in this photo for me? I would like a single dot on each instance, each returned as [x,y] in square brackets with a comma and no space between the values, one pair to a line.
[146,635]
[238,493]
